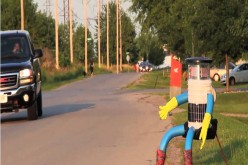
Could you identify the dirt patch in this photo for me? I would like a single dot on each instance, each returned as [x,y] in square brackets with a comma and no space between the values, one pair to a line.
[235,115]
[137,81]
[174,153]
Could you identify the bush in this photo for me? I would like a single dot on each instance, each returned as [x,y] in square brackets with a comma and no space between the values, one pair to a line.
[50,76]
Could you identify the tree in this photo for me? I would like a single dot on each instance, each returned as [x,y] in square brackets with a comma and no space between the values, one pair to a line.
[11,14]
[79,47]
[40,26]
[150,48]
[42,31]
[128,34]
[168,19]
[64,45]
[204,27]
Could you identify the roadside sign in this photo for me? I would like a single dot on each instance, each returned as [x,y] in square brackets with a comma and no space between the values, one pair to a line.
[176,73]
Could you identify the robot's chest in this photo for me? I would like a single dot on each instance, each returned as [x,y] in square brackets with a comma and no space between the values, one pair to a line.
[197,97]
[198,91]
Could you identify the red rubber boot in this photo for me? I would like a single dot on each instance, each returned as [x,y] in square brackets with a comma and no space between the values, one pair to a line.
[187,157]
[160,157]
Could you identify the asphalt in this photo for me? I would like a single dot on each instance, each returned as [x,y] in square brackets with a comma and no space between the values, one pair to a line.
[88,122]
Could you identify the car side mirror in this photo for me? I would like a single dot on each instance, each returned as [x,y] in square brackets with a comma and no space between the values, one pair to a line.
[38,53]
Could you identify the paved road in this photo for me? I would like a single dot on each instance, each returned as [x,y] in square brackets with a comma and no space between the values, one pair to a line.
[88,122]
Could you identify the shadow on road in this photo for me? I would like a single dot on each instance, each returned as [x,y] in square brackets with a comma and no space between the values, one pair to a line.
[47,112]
[66,108]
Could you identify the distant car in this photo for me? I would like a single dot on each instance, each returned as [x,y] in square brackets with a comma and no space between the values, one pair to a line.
[238,75]
[146,67]
[217,72]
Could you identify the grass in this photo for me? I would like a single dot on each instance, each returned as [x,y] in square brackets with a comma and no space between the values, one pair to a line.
[52,79]
[232,102]
[161,79]
[232,131]
[53,85]
[150,80]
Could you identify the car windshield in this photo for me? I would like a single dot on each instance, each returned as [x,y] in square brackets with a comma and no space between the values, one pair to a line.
[241,67]
[14,47]
[143,64]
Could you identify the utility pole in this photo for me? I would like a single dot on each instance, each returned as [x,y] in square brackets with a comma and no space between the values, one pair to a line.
[86,36]
[117,36]
[192,43]
[71,34]
[56,34]
[22,15]
[108,34]
[120,39]
[99,34]
[227,74]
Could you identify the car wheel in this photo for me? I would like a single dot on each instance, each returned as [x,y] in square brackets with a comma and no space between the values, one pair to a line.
[39,104]
[232,81]
[32,111]
[216,77]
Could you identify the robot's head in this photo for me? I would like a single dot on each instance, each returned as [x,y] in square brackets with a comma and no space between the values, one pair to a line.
[198,68]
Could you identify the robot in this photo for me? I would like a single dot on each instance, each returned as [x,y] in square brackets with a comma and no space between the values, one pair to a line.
[200,97]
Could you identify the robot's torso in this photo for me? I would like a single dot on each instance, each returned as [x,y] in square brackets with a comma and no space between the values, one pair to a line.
[197,101]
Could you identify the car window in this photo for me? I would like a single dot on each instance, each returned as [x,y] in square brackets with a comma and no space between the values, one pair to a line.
[241,68]
[245,67]
[14,46]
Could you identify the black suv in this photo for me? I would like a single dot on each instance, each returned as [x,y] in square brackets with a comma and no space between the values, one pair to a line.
[20,76]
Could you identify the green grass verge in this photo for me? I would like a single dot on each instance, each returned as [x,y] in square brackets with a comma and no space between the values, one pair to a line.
[232,102]
[46,86]
[56,78]
[151,80]
[161,79]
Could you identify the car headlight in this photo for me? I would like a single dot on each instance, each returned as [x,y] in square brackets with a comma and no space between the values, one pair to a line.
[26,76]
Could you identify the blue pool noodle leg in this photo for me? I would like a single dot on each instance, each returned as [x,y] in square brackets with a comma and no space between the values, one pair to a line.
[189,138]
[171,133]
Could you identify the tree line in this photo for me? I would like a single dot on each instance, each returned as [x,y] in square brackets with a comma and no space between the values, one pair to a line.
[42,30]
[188,28]
[197,28]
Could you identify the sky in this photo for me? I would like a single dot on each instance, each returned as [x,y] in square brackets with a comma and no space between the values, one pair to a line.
[78,10]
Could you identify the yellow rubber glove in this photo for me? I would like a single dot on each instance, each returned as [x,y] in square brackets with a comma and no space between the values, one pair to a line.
[204,130]
[164,110]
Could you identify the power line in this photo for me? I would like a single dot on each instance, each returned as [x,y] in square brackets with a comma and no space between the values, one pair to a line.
[65,11]
[48,9]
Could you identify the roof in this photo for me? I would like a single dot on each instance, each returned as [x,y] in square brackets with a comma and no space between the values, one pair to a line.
[24,32]
[198,60]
